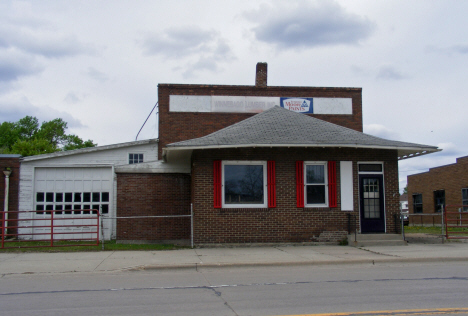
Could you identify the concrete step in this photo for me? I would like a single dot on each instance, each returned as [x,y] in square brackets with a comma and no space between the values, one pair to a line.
[367,240]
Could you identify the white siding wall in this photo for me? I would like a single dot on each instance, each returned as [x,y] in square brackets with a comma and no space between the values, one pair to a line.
[100,158]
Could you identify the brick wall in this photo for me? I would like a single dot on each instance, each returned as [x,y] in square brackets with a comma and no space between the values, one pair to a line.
[178,126]
[14,164]
[450,178]
[153,194]
[286,222]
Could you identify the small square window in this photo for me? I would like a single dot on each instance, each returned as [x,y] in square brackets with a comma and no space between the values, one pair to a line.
[87,197]
[68,197]
[77,197]
[58,197]
[96,197]
[105,197]
[40,197]
[135,158]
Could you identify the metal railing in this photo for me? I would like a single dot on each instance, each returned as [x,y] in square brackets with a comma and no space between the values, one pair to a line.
[49,229]
[456,222]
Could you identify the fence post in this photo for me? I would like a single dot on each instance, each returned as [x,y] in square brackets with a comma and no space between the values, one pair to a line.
[442,222]
[3,229]
[51,228]
[191,223]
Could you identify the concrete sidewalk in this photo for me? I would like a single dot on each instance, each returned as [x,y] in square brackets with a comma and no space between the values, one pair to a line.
[21,263]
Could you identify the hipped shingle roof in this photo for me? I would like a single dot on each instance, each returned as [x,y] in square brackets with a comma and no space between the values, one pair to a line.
[279,127]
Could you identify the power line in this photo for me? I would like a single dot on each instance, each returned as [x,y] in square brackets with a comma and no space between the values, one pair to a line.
[136,138]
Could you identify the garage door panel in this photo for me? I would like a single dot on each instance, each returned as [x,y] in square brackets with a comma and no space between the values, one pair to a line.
[71,192]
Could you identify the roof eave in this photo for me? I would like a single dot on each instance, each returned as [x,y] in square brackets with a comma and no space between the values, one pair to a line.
[403,152]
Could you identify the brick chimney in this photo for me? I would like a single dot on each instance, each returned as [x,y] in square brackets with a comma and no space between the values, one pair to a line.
[261,75]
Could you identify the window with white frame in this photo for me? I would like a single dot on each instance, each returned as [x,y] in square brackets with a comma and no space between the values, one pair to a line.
[315,184]
[135,158]
[465,199]
[244,184]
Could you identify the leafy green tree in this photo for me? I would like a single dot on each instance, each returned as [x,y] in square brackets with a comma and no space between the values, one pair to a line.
[33,147]
[27,138]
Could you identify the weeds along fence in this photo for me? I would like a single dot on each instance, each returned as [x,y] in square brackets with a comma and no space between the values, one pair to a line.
[51,228]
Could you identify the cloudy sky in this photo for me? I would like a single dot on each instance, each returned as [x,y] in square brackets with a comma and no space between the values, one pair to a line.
[97,64]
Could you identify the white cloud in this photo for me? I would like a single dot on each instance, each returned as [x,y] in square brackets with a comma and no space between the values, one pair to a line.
[381,131]
[308,24]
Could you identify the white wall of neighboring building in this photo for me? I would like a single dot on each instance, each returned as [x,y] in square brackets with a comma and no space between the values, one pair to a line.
[97,158]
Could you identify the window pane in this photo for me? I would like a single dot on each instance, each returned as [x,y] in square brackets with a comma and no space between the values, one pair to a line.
[315,194]
[40,197]
[58,197]
[87,197]
[243,184]
[77,197]
[68,197]
[96,197]
[315,174]
[105,196]
[370,167]
[49,197]
[105,208]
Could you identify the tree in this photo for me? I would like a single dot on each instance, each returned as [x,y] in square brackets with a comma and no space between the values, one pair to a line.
[26,138]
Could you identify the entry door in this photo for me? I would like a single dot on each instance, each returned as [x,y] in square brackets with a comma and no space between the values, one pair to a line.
[372,203]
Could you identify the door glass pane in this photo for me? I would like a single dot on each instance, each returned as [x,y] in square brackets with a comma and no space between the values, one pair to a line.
[371,197]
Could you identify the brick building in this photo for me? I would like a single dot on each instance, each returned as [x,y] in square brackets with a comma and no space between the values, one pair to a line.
[255,164]
[259,172]
[430,191]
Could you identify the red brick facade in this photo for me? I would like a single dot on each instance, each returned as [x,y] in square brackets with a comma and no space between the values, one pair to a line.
[286,222]
[450,178]
[149,195]
[179,126]
[14,165]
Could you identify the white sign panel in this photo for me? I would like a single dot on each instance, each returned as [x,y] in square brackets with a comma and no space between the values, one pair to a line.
[244,104]
[333,106]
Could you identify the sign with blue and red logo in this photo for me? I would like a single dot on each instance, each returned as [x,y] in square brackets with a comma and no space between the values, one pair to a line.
[300,105]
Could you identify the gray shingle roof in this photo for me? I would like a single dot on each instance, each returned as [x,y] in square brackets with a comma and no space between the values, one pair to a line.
[279,127]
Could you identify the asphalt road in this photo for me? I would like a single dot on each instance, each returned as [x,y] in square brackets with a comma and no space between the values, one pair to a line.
[299,290]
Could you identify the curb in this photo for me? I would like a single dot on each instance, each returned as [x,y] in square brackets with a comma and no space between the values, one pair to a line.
[197,266]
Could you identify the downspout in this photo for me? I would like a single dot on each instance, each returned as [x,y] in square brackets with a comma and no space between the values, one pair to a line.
[7,193]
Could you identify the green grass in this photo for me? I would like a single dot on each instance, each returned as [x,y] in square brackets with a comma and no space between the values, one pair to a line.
[70,246]
[432,229]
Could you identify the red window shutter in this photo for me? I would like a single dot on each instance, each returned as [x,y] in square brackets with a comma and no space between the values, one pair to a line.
[217,183]
[332,199]
[300,183]
[271,180]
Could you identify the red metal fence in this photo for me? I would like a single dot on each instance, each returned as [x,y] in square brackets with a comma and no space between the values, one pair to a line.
[456,222]
[48,228]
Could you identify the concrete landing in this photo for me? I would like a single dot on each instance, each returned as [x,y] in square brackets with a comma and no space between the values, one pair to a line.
[369,240]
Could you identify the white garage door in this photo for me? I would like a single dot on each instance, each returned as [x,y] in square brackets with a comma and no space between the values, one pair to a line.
[73,192]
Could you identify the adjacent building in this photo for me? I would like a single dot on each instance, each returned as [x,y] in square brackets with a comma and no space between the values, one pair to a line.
[429,192]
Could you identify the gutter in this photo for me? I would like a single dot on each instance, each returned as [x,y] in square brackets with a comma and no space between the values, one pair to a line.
[416,151]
